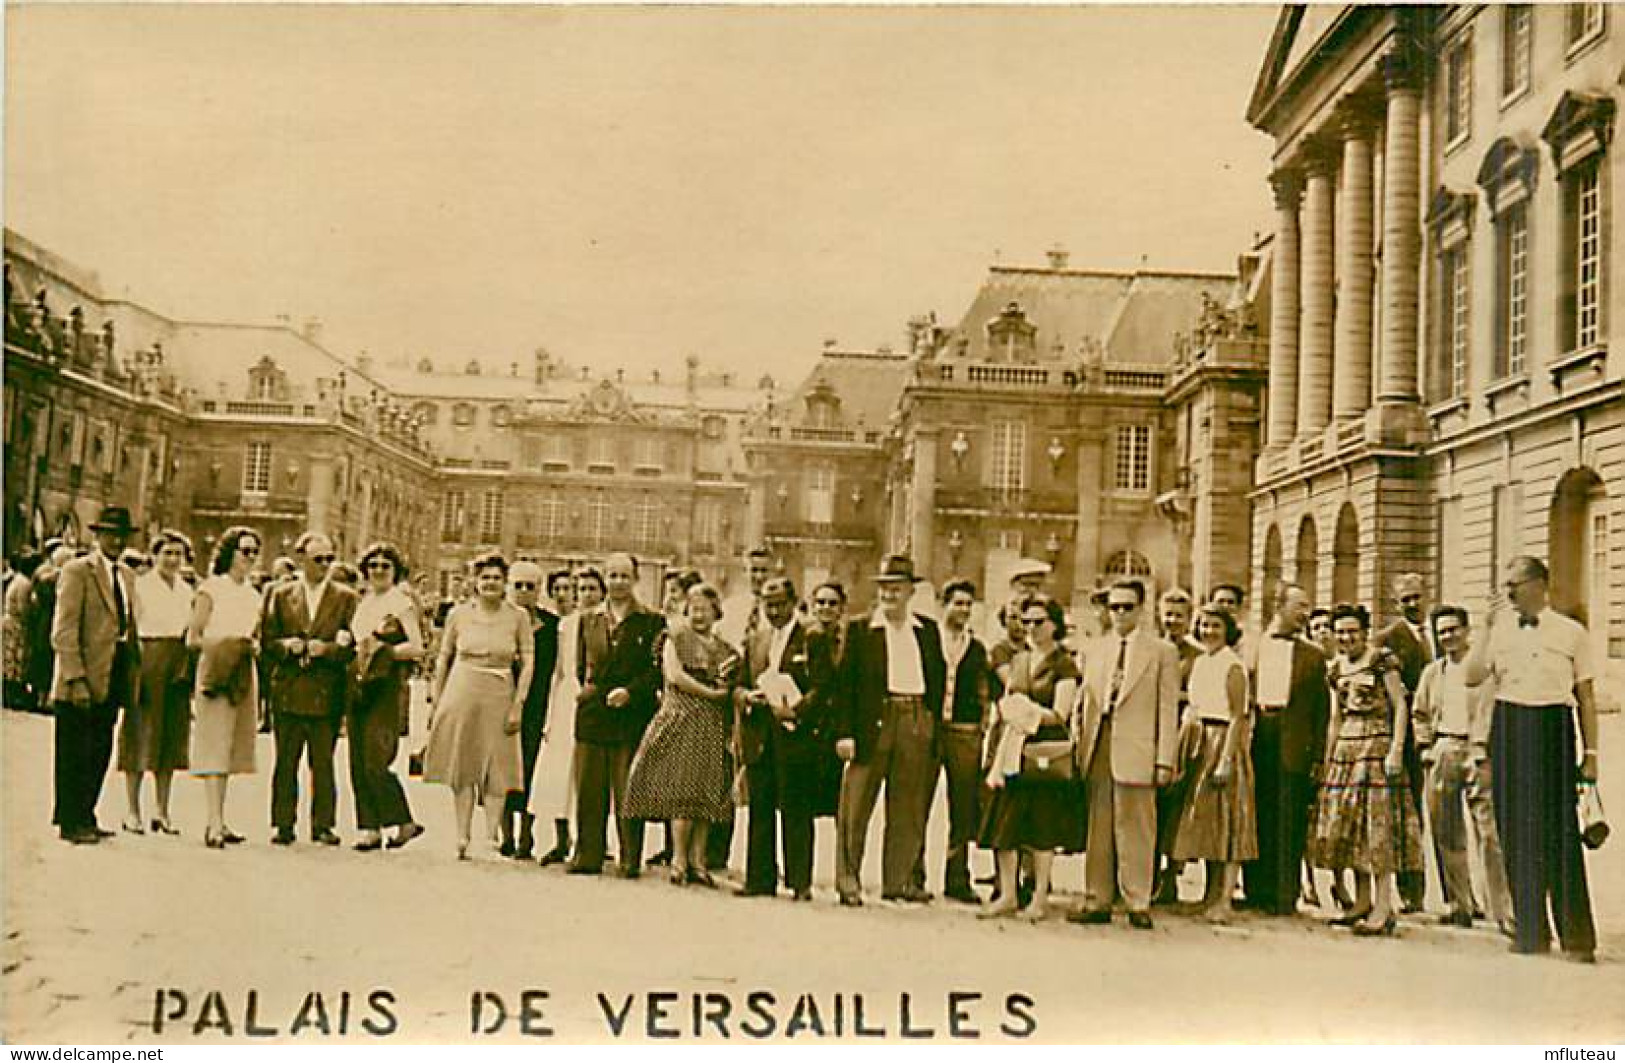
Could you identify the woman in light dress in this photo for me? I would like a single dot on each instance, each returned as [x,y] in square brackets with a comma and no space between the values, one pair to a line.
[155,735]
[1219,820]
[554,787]
[474,734]
[225,630]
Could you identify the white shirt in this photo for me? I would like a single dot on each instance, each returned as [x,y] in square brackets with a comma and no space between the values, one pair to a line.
[1539,665]
[236,611]
[953,651]
[905,676]
[778,644]
[1454,717]
[313,596]
[1275,671]
[373,608]
[162,609]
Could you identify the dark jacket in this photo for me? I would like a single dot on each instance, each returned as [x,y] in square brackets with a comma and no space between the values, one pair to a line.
[226,668]
[757,721]
[619,656]
[862,681]
[974,683]
[1308,709]
[546,634]
[307,685]
[1412,653]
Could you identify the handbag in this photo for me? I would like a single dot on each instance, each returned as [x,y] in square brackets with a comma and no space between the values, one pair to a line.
[1594,829]
[1052,761]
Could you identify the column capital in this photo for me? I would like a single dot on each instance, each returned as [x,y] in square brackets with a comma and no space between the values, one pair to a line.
[1320,155]
[1403,67]
[1357,117]
[1287,184]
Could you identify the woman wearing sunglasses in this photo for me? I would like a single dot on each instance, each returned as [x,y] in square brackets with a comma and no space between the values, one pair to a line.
[225,629]
[1028,812]
[388,633]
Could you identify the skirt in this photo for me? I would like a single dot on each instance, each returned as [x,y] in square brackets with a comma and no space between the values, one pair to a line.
[1035,814]
[467,745]
[1363,821]
[553,786]
[680,770]
[1218,822]
[224,733]
[156,733]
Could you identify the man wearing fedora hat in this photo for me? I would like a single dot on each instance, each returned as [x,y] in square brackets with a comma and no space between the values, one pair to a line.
[93,632]
[892,682]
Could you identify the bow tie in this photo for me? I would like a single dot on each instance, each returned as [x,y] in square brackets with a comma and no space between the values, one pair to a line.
[1528,621]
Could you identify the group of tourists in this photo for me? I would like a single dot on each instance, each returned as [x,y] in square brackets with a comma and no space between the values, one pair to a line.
[1167,735]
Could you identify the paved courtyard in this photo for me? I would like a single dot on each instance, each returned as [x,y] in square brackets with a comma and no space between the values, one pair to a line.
[126,942]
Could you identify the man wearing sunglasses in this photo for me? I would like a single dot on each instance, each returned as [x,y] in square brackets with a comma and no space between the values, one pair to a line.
[306,635]
[524,590]
[1130,731]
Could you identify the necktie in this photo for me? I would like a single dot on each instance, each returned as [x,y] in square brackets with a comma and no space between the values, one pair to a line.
[1117,676]
[118,602]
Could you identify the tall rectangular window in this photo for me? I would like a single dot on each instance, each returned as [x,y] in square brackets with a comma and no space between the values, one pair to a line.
[705,525]
[650,453]
[1132,463]
[598,522]
[1517,46]
[821,494]
[601,451]
[491,515]
[550,520]
[1458,97]
[1455,320]
[1588,261]
[1008,472]
[453,512]
[1512,290]
[1585,22]
[257,469]
[646,525]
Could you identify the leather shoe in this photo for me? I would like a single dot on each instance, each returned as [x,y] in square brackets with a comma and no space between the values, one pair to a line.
[1090,916]
[408,832]
[1459,918]
[754,891]
[1140,920]
[367,845]
[913,896]
[1578,956]
[103,832]
[81,837]
[325,837]
[1519,950]
[1508,929]
[281,837]
[851,900]
[583,869]
[962,894]
[803,894]
[629,872]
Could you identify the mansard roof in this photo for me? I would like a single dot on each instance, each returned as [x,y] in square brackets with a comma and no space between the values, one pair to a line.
[866,386]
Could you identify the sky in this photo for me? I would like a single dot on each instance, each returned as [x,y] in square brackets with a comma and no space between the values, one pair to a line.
[623,186]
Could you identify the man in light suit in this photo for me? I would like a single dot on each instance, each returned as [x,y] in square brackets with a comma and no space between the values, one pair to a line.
[1408,639]
[306,635]
[1130,732]
[891,687]
[98,653]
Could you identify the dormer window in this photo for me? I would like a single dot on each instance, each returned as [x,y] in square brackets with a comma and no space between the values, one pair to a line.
[266,381]
[1011,337]
[462,414]
[823,406]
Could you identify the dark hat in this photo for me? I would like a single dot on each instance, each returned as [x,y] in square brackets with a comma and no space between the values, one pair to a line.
[113,519]
[897,568]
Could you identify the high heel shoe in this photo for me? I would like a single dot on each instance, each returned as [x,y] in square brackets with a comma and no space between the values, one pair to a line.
[162,826]
[701,878]
[679,876]
[1366,930]
[214,840]
[462,850]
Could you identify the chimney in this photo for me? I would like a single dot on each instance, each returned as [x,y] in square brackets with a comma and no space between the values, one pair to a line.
[312,330]
[692,364]
[654,376]
[1058,257]
[513,369]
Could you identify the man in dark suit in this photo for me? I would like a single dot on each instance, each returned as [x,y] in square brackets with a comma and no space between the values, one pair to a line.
[892,682]
[307,640]
[98,653]
[524,590]
[1408,639]
[620,681]
[1293,705]
[784,741]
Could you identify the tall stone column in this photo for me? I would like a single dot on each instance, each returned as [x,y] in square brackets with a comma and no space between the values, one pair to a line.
[1283,383]
[319,499]
[923,500]
[1351,384]
[1091,444]
[1319,293]
[1401,226]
